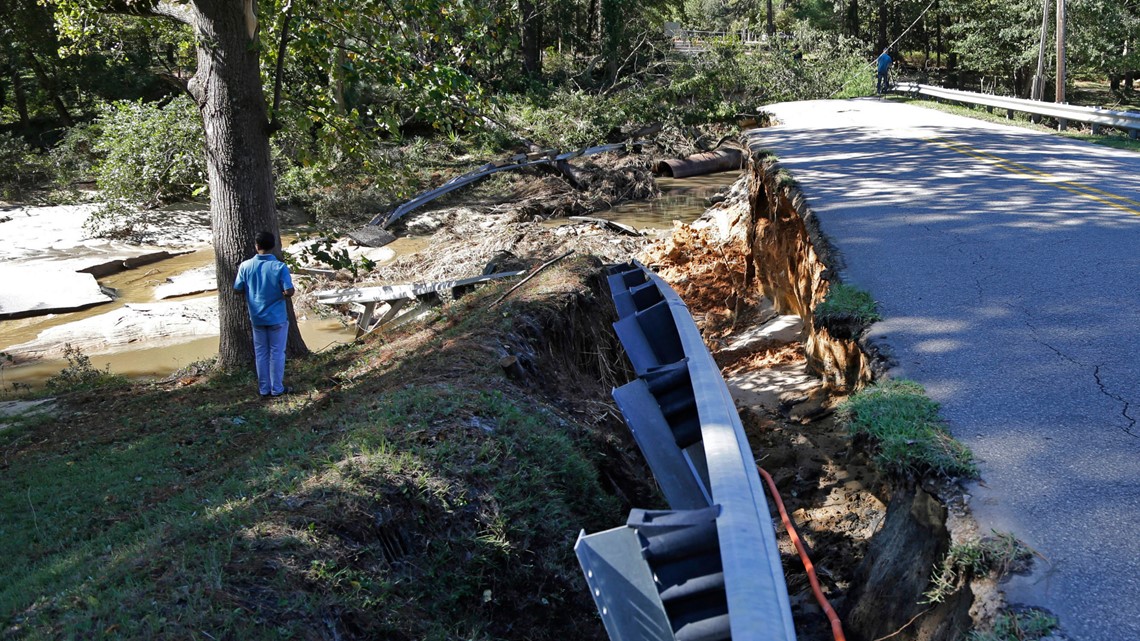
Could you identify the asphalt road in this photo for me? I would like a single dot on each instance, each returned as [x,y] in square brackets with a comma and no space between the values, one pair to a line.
[1007,268]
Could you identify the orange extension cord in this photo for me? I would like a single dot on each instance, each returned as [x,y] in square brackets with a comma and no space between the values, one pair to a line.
[836,626]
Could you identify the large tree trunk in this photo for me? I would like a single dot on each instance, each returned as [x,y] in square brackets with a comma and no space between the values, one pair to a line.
[530,37]
[51,87]
[21,98]
[852,20]
[227,88]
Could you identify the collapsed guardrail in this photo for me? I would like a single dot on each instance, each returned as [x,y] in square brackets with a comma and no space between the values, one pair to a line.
[1095,116]
[709,568]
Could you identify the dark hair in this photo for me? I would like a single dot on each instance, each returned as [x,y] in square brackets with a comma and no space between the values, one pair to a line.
[265,241]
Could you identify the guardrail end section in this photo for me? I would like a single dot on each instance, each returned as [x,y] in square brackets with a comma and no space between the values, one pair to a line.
[622,586]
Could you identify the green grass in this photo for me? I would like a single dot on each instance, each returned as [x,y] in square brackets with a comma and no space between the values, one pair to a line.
[394,497]
[1025,625]
[1109,137]
[846,311]
[908,435]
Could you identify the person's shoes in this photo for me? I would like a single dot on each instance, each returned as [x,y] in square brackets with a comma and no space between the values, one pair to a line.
[287,390]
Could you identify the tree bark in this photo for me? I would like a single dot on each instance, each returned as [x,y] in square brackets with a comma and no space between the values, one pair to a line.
[852,19]
[531,37]
[51,87]
[227,88]
[883,17]
[21,96]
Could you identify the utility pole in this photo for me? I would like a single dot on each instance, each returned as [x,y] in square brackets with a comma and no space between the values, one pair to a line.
[1060,51]
[1038,90]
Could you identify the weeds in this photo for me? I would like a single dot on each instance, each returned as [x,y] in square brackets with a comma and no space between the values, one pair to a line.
[908,434]
[996,555]
[80,375]
[1025,625]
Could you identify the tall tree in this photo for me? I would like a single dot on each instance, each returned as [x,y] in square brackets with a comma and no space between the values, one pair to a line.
[227,88]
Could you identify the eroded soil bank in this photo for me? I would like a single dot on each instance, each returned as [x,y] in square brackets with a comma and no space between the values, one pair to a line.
[876,541]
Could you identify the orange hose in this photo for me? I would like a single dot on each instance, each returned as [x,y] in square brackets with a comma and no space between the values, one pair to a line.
[836,626]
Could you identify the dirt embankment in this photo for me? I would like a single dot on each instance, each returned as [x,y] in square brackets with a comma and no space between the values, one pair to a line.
[876,540]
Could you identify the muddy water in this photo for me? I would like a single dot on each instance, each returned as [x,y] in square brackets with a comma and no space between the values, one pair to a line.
[682,199]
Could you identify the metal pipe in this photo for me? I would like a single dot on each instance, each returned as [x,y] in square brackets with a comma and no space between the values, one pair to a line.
[707,162]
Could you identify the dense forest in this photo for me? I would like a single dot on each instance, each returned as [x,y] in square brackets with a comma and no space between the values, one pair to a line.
[343,109]
[377,90]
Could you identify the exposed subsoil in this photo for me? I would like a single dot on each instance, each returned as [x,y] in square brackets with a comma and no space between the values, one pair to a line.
[834,496]
[830,489]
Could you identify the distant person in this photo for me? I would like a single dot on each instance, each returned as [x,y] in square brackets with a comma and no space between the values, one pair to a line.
[266,283]
[883,68]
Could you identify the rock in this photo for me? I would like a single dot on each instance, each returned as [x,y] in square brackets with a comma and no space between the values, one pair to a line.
[36,290]
[11,411]
[372,236]
[50,244]
[305,251]
[152,324]
[194,281]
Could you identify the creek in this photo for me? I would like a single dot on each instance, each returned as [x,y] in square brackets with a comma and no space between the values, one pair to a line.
[682,200]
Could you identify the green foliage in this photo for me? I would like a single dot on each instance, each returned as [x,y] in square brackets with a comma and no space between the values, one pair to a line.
[996,555]
[148,155]
[998,37]
[1023,625]
[80,375]
[322,250]
[75,158]
[908,434]
[21,168]
[151,154]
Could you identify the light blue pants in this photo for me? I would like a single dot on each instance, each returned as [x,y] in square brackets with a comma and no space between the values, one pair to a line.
[269,352]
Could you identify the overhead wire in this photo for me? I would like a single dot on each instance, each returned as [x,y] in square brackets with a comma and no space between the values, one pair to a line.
[892,44]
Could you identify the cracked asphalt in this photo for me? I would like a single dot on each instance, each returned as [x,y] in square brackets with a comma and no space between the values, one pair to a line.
[1006,264]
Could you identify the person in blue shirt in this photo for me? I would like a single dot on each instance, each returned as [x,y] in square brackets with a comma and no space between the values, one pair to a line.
[883,67]
[267,283]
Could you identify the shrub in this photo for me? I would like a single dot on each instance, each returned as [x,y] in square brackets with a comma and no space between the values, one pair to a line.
[75,158]
[21,168]
[149,155]
[80,374]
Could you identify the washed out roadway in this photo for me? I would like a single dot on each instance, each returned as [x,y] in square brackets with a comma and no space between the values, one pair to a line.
[1006,264]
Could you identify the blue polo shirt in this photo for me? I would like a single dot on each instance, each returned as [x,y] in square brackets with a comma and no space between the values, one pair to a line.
[884,62]
[264,280]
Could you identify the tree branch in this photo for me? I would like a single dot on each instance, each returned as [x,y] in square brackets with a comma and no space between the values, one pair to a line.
[170,9]
[279,74]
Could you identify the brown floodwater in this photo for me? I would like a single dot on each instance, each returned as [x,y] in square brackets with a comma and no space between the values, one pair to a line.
[682,199]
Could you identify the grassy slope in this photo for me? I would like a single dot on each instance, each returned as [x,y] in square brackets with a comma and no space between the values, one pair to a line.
[1109,137]
[398,496]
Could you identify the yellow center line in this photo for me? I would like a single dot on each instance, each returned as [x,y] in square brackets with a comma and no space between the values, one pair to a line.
[1104,197]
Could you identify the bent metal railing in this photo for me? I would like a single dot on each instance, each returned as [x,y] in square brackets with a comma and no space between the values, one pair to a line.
[1064,113]
[709,568]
